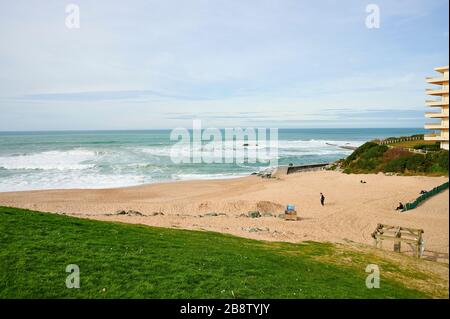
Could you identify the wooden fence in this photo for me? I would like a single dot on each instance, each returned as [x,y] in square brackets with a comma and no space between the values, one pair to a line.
[400,139]
[425,196]
[399,235]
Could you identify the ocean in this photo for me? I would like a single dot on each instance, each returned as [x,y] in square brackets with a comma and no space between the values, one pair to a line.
[106,159]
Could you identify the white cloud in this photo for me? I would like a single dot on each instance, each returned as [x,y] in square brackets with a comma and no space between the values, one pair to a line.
[253,55]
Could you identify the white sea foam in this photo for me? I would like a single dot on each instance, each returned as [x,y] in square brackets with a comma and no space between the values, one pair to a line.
[59,160]
[118,166]
[294,147]
[69,180]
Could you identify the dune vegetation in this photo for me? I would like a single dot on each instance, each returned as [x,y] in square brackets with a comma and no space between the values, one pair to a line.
[374,158]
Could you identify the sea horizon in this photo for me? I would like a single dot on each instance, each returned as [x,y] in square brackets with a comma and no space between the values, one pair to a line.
[220,128]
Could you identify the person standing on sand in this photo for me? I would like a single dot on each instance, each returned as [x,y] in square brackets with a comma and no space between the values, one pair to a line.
[322,199]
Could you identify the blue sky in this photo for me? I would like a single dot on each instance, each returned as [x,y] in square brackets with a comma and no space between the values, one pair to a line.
[159,64]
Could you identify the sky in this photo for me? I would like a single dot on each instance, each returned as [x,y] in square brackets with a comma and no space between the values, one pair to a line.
[248,63]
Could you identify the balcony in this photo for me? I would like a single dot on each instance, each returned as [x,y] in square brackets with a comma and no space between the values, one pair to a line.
[437,91]
[437,80]
[441,69]
[436,103]
[435,126]
[434,137]
[436,115]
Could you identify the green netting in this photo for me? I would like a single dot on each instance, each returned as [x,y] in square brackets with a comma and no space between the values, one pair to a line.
[425,196]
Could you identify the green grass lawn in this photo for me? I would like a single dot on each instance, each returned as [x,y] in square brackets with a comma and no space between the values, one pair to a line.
[131,261]
[411,144]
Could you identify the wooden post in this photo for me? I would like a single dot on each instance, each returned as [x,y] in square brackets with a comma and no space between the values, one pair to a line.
[418,249]
[419,244]
[397,246]
[397,241]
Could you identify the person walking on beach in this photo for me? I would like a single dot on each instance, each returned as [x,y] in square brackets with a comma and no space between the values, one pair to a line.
[322,199]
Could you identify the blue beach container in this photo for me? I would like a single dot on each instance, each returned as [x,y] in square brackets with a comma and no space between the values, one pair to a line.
[290,208]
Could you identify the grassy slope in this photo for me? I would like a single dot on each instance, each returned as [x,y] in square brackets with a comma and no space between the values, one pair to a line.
[373,158]
[411,144]
[132,261]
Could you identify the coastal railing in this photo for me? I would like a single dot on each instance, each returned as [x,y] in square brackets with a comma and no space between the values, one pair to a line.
[400,139]
[425,196]
[413,150]
[389,141]
[420,151]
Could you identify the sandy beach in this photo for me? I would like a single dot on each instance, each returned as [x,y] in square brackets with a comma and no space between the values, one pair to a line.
[351,212]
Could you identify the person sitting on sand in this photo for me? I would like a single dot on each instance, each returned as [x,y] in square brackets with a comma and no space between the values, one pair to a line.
[423,192]
[400,206]
[322,199]
[362,182]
